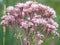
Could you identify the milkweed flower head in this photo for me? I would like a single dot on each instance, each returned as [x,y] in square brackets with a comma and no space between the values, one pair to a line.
[30,16]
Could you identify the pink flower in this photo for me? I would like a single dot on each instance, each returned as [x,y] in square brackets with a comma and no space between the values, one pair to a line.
[39,35]
[51,26]
[10,8]
[10,18]
[3,17]
[30,24]
[55,24]
[20,5]
[37,16]
[4,22]
[24,25]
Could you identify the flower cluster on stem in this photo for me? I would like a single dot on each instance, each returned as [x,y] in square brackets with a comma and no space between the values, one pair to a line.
[30,16]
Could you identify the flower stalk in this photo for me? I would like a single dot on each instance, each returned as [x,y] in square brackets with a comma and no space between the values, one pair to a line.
[4,28]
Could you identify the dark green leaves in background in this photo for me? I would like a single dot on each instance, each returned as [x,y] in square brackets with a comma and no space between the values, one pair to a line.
[9,39]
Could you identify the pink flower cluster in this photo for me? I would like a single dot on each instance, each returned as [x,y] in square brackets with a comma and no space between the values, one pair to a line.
[31,15]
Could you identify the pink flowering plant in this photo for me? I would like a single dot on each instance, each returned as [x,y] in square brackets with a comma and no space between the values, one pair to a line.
[31,21]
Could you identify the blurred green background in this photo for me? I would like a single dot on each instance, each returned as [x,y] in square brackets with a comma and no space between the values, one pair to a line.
[9,39]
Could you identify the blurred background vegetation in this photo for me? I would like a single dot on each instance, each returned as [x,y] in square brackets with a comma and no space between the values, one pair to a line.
[9,39]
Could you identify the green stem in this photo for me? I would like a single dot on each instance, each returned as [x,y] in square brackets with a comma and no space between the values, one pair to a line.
[4,28]
[21,40]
